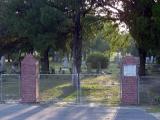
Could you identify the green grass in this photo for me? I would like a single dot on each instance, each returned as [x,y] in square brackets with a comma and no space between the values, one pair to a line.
[154,109]
[100,89]
[56,87]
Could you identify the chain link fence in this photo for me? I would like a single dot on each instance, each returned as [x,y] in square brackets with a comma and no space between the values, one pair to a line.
[57,87]
[94,88]
[149,90]
[9,87]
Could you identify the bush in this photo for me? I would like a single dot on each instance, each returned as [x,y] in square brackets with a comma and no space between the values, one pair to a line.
[97,60]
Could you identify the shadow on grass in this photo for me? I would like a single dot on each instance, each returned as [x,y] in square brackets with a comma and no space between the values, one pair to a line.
[47,82]
[61,92]
[68,92]
[93,89]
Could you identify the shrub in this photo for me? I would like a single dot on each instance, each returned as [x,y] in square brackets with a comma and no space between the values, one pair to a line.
[97,60]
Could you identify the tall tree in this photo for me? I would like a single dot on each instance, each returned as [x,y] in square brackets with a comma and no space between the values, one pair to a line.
[140,16]
[44,26]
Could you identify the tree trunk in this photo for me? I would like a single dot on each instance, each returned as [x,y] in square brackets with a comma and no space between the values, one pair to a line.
[84,55]
[142,55]
[77,50]
[9,58]
[45,62]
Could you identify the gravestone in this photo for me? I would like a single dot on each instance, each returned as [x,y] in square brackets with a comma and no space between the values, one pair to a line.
[2,64]
[129,81]
[29,80]
[65,62]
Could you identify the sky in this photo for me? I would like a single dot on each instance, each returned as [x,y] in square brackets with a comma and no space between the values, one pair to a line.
[122,26]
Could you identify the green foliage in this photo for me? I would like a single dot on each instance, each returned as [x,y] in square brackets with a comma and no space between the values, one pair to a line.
[117,41]
[97,60]
[37,21]
[100,44]
[104,36]
[91,25]
[142,19]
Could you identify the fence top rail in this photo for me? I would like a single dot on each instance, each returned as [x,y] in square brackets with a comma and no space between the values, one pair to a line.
[73,74]
[56,74]
[9,74]
[150,76]
[53,74]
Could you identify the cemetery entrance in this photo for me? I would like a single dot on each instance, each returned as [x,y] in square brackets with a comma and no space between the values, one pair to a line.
[94,88]
[58,88]
[104,88]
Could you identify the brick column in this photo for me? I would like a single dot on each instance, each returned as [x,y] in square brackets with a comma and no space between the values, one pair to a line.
[129,81]
[29,80]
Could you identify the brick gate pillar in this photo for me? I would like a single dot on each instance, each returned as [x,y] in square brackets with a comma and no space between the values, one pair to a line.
[129,81]
[29,80]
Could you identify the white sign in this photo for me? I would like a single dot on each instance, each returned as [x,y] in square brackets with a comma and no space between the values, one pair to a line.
[130,70]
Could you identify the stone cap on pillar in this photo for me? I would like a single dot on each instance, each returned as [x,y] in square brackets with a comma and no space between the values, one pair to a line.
[29,60]
[130,60]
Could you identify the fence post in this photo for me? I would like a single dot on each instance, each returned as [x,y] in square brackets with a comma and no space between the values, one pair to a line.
[1,88]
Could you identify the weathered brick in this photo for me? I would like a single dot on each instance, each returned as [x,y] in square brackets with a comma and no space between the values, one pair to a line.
[29,79]
[129,84]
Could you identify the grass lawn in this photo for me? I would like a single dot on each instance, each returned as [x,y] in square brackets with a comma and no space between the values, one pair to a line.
[56,87]
[100,89]
[154,109]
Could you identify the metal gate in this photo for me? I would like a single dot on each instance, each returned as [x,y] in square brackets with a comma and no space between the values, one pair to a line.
[100,89]
[94,88]
[9,87]
[56,88]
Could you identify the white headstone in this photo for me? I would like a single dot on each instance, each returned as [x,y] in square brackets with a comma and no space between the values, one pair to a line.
[152,59]
[2,62]
[147,59]
[65,62]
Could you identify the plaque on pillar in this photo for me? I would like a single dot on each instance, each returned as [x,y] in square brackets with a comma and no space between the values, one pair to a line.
[29,80]
[130,70]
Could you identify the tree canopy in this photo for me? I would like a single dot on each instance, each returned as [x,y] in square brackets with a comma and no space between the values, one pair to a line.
[39,23]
